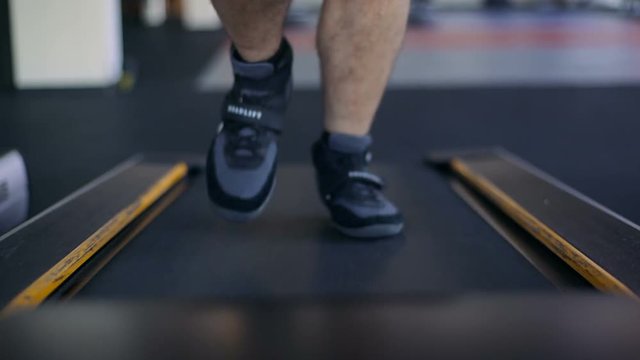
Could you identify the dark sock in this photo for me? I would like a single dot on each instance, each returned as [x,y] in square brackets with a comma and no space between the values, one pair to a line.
[262,69]
[346,143]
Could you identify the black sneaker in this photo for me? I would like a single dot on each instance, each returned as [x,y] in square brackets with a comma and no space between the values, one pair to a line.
[242,159]
[352,194]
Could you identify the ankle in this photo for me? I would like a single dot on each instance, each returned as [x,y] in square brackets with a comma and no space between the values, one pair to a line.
[280,62]
[346,143]
[272,76]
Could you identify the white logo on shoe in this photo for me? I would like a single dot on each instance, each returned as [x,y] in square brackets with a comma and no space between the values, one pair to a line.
[254,114]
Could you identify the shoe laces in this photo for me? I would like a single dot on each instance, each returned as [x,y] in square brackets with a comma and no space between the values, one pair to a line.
[246,140]
[364,191]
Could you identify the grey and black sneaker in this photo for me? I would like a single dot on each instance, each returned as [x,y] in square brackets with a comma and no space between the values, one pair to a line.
[352,194]
[242,159]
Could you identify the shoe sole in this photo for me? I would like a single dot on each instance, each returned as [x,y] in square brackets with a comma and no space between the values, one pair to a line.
[371,231]
[243,216]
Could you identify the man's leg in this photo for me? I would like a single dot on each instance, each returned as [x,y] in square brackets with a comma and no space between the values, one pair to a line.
[358,41]
[254,26]
[242,160]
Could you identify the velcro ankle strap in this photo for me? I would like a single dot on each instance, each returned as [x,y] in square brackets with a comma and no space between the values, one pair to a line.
[360,176]
[252,114]
[367,178]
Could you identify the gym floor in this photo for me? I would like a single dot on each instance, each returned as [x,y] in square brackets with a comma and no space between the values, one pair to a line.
[560,89]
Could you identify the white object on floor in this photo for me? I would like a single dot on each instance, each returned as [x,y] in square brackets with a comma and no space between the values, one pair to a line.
[14,190]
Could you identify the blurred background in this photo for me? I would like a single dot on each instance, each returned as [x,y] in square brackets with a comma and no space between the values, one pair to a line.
[88,83]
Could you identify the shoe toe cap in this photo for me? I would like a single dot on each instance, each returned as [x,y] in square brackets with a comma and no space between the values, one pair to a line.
[241,182]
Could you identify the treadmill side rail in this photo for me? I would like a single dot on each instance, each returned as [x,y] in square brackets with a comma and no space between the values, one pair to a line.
[599,244]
